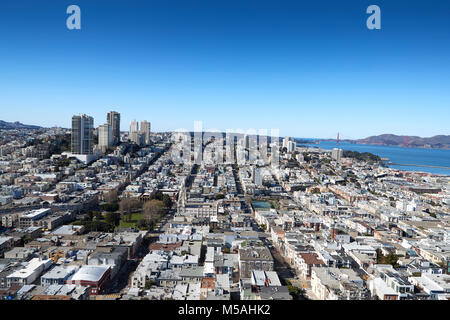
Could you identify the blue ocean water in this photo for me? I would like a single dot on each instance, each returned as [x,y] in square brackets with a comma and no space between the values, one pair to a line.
[416,156]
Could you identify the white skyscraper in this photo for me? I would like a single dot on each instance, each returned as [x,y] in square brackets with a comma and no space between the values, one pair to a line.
[290,146]
[134,126]
[135,136]
[337,154]
[105,136]
[286,142]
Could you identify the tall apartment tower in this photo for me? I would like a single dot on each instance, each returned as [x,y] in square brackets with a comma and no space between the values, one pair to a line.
[113,119]
[286,141]
[134,134]
[145,131]
[337,154]
[257,177]
[82,134]
[134,126]
[291,146]
[105,136]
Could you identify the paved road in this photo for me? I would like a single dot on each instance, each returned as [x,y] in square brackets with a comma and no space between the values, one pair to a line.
[281,266]
[121,281]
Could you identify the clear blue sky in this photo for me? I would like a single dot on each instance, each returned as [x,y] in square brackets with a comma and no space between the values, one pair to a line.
[308,68]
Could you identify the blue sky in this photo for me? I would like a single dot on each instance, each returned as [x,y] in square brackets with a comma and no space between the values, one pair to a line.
[308,68]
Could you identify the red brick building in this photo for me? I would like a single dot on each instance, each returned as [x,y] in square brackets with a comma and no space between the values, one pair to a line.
[95,277]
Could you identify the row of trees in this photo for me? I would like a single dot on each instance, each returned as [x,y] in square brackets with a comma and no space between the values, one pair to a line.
[129,205]
[96,221]
[110,207]
[115,211]
[152,210]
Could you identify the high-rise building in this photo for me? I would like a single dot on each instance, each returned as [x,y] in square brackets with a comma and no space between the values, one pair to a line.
[134,134]
[257,177]
[105,136]
[145,131]
[291,146]
[134,126]
[245,141]
[113,119]
[337,154]
[286,141]
[137,138]
[82,134]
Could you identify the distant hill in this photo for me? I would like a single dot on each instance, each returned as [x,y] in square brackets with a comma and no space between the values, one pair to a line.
[440,141]
[16,125]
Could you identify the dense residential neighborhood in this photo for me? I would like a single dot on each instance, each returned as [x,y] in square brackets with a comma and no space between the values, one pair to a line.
[122,218]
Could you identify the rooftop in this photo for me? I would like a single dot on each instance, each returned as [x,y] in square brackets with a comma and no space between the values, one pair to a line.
[90,273]
[255,253]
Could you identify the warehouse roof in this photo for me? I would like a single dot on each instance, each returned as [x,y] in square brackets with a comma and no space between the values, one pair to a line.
[90,273]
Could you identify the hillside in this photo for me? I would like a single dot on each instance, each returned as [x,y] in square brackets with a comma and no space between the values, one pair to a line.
[440,141]
[16,125]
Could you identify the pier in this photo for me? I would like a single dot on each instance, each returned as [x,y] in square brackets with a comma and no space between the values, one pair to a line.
[419,165]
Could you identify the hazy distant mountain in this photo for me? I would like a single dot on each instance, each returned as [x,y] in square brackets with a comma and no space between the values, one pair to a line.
[16,125]
[440,141]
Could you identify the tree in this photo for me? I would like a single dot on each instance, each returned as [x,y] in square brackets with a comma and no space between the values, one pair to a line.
[142,224]
[97,225]
[112,218]
[153,209]
[110,207]
[390,258]
[219,196]
[167,201]
[89,216]
[97,215]
[110,196]
[128,205]
[293,291]
[157,196]
[148,284]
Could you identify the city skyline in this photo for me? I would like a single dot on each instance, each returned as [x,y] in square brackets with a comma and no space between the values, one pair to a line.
[212,158]
[311,70]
